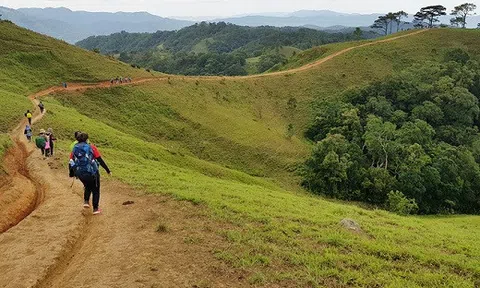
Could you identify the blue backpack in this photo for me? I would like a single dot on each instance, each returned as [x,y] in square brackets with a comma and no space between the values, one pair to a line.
[83,160]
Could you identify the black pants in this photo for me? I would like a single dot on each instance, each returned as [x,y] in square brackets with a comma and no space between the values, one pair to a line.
[91,183]
[30,121]
[51,148]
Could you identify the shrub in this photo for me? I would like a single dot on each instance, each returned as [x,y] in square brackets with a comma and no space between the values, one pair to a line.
[398,203]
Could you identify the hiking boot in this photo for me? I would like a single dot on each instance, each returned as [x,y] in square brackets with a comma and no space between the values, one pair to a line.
[97,211]
[86,205]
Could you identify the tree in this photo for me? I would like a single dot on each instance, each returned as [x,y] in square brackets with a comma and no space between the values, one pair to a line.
[462,12]
[391,17]
[456,21]
[381,23]
[358,33]
[398,18]
[431,14]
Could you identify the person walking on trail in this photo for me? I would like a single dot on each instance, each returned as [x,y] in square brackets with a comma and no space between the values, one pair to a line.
[47,145]
[41,141]
[41,106]
[84,161]
[29,115]
[28,133]
[75,135]
[52,140]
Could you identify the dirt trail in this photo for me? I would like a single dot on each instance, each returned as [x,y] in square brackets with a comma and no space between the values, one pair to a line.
[60,244]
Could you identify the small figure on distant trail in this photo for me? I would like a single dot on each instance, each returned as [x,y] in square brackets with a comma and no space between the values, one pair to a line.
[121,80]
[64,84]
[116,80]
[83,163]
[41,141]
[28,133]
[111,81]
[41,106]
[28,114]
[52,140]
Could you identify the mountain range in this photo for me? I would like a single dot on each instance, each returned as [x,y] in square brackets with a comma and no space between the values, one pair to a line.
[73,26]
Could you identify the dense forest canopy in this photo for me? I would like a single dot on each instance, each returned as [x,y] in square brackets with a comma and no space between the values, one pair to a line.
[410,143]
[213,48]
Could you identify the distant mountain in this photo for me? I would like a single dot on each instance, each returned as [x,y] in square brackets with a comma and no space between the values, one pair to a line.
[321,18]
[73,26]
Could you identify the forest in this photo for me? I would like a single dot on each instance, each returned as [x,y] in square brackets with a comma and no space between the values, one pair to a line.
[214,48]
[409,144]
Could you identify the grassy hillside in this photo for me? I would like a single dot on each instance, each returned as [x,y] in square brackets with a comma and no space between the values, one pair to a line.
[290,239]
[207,140]
[30,62]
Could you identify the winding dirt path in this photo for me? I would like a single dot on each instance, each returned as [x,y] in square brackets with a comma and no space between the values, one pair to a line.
[48,240]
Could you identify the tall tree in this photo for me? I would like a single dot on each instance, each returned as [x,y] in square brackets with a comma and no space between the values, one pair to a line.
[462,12]
[392,17]
[382,23]
[398,18]
[431,14]
[358,33]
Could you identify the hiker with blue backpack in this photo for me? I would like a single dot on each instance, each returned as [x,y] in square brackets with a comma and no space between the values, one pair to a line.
[84,161]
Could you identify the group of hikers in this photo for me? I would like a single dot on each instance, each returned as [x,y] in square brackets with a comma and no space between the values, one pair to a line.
[120,80]
[84,160]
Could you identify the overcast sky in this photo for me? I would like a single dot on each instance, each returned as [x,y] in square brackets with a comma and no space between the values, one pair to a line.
[231,7]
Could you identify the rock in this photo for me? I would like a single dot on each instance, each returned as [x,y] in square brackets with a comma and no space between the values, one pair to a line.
[351,225]
[128,203]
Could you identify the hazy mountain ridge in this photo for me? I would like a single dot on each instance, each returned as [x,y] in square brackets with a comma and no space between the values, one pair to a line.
[73,26]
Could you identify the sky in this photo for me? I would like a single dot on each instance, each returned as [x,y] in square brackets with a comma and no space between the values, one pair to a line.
[196,8]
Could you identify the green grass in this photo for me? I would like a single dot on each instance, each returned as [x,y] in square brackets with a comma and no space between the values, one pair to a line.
[213,121]
[30,62]
[289,51]
[283,237]
[207,141]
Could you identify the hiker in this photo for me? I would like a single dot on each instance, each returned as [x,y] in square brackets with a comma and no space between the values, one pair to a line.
[28,114]
[84,161]
[75,135]
[41,106]
[47,145]
[41,141]
[28,133]
[52,140]
[111,81]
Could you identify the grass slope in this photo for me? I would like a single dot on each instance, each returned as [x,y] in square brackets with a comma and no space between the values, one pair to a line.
[30,62]
[201,140]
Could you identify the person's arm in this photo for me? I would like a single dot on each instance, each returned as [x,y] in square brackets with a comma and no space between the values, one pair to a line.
[103,164]
[98,157]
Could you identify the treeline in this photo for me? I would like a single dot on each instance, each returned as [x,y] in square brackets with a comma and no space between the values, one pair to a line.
[425,18]
[410,144]
[224,47]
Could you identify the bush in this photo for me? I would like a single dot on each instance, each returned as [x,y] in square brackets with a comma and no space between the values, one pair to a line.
[398,203]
